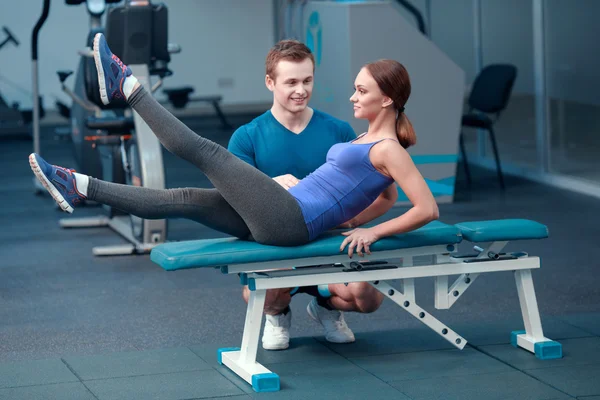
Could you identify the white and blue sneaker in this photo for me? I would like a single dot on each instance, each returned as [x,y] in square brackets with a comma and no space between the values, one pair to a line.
[111,71]
[59,181]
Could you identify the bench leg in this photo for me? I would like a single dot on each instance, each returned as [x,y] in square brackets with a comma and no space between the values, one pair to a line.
[242,360]
[532,339]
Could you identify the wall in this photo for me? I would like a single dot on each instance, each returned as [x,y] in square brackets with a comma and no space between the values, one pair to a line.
[227,40]
[571,32]
[572,59]
[223,40]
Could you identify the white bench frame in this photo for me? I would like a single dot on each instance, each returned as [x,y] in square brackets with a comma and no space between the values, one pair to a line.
[302,272]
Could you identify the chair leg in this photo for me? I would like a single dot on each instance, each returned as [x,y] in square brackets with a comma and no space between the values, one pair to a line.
[495,148]
[464,159]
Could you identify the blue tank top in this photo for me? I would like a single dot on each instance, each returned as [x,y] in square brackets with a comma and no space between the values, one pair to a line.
[340,189]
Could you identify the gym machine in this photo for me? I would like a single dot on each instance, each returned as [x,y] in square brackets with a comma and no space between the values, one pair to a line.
[138,33]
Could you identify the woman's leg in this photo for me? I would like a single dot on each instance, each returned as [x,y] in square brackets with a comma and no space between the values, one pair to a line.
[272,215]
[205,206]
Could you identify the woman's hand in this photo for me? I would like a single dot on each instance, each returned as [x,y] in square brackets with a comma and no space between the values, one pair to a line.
[359,238]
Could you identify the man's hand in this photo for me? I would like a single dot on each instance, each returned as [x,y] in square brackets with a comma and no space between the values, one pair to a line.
[360,239]
[286,181]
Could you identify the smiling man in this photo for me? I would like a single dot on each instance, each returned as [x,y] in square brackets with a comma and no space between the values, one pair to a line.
[291,139]
[287,143]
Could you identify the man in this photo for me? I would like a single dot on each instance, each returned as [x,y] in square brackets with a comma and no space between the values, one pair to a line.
[287,143]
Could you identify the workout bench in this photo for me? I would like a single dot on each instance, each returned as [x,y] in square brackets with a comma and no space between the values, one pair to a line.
[320,262]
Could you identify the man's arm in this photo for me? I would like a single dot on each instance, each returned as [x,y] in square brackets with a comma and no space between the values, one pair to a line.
[380,206]
[241,146]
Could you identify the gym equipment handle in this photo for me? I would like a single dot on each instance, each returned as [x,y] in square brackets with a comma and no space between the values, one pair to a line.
[37,28]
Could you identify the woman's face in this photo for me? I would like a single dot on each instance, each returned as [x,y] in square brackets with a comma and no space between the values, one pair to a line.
[367,98]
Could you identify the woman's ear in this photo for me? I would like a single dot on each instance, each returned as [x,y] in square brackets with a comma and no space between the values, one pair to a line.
[386,102]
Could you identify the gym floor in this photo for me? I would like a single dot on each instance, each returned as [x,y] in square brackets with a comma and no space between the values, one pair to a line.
[75,326]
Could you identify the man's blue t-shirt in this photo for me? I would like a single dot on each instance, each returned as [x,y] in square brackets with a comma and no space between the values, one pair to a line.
[275,150]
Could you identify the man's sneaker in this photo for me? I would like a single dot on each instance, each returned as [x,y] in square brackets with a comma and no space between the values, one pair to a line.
[336,329]
[276,335]
[59,181]
[111,71]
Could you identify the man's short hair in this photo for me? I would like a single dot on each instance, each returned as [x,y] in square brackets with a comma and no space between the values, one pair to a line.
[288,50]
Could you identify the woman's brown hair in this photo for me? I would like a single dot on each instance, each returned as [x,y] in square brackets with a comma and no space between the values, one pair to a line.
[394,82]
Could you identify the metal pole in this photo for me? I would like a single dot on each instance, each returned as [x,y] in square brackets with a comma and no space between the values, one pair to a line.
[478,50]
[539,76]
[35,76]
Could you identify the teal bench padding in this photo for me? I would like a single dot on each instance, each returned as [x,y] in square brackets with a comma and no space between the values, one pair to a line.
[229,251]
[502,230]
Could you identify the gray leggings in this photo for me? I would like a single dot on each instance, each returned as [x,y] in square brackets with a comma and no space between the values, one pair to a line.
[245,202]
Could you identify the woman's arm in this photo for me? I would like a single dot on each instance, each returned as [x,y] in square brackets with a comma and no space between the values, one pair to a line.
[380,206]
[395,161]
[399,165]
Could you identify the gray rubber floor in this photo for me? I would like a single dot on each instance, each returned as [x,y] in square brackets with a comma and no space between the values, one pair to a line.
[75,326]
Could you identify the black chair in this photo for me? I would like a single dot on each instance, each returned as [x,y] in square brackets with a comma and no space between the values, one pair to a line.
[489,95]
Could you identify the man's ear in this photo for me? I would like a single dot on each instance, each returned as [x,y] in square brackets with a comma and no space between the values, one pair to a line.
[269,83]
[386,102]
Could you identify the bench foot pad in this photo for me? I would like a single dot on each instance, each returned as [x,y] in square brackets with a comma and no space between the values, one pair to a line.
[261,379]
[224,350]
[265,382]
[543,350]
[550,350]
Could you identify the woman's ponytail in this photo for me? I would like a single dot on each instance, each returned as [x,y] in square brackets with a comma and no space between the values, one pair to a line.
[404,130]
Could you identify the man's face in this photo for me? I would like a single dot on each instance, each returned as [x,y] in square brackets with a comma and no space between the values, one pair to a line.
[293,84]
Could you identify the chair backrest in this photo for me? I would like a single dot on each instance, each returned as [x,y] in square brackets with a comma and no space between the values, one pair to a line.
[492,88]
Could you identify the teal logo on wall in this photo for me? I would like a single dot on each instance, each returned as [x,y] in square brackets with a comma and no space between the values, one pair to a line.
[313,36]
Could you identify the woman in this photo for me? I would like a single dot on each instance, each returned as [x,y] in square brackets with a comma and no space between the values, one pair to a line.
[247,203]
